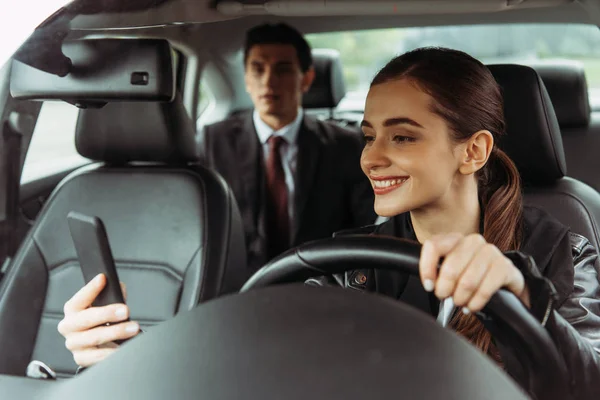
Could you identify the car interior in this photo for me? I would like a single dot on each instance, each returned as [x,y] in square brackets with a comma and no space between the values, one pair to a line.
[200,237]
[124,131]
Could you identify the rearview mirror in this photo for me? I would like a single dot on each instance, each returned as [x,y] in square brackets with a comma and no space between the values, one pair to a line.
[103,70]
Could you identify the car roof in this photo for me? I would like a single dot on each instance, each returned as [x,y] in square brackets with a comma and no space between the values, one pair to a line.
[343,15]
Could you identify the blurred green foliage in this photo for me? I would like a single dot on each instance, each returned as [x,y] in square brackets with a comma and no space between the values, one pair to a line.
[363,53]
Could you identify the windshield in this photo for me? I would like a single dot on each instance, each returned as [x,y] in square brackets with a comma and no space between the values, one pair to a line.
[363,53]
[17,23]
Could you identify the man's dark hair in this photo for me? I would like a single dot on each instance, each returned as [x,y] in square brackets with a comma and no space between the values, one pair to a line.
[279,34]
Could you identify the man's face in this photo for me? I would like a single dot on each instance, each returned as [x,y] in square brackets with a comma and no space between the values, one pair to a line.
[275,80]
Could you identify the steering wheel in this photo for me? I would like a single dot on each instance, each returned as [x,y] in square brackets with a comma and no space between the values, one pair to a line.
[299,341]
[515,326]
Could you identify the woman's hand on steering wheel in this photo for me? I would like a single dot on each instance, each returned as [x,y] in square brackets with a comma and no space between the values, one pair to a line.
[471,272]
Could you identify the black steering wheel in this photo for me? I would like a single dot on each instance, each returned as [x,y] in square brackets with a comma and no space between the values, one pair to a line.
[514,324]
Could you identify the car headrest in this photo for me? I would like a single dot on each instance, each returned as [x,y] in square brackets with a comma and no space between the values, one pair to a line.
[136,131]
[568,90]
[328,88]
[533,138]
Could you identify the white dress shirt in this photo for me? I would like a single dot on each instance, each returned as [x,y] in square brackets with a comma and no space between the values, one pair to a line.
[288,151]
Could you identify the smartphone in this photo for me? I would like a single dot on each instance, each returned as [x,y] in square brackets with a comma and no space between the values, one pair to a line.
[95,256]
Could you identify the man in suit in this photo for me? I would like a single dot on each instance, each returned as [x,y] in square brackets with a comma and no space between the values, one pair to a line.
[295,178]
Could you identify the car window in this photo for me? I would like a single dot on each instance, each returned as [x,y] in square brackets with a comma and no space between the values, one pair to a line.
[52,147]
[363,53]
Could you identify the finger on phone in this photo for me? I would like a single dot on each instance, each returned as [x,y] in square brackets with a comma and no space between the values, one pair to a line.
[101,335]
[93,317]
[86,295]
[89,357]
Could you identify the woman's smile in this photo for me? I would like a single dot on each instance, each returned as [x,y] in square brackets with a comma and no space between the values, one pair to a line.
[386,184]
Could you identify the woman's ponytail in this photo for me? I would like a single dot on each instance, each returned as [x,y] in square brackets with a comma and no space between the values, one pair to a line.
[501,200]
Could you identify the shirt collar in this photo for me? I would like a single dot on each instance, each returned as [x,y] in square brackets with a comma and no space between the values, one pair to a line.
[288,132]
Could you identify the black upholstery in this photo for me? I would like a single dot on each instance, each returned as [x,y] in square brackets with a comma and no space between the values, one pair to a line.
[102,134]
[580,128]
[567,87]
[533,140]
[534,143]
[581,149]
[328,88]
[174,229]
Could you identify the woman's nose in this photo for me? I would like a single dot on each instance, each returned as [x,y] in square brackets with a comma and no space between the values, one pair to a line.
[374,156]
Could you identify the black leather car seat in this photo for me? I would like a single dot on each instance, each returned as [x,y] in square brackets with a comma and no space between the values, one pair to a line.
[534,143]
[567,87]
[580,128]
[328,89]
[173,226]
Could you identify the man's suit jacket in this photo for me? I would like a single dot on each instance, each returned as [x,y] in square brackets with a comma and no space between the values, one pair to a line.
[331,191]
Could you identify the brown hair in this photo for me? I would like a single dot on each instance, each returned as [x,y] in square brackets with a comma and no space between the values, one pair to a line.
[467,96]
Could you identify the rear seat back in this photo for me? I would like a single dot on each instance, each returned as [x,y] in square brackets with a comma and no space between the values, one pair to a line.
[567,87]
[580,128]
[328,90]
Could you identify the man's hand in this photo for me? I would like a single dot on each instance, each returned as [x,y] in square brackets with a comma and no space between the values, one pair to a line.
[85,328]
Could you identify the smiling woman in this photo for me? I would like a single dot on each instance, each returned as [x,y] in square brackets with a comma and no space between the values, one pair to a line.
[438,164]
[432,157]
[286,170]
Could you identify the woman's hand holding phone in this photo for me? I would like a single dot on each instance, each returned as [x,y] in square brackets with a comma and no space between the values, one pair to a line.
[85,328]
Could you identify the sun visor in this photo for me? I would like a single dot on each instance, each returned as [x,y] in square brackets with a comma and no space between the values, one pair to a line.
[294,8]
[101,71]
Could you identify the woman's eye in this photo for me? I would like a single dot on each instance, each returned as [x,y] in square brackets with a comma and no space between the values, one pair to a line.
[403,139]
[368,139]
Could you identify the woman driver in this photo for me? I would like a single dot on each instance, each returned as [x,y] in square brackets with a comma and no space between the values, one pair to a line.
[430,124]
[432,117]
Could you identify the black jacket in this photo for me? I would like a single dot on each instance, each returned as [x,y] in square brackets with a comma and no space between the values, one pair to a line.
[566,259]
[332,193]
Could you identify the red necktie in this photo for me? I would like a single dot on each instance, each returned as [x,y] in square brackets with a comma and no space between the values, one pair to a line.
[278,220]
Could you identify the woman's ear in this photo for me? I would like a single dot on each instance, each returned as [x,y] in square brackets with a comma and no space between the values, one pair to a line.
[477,151]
